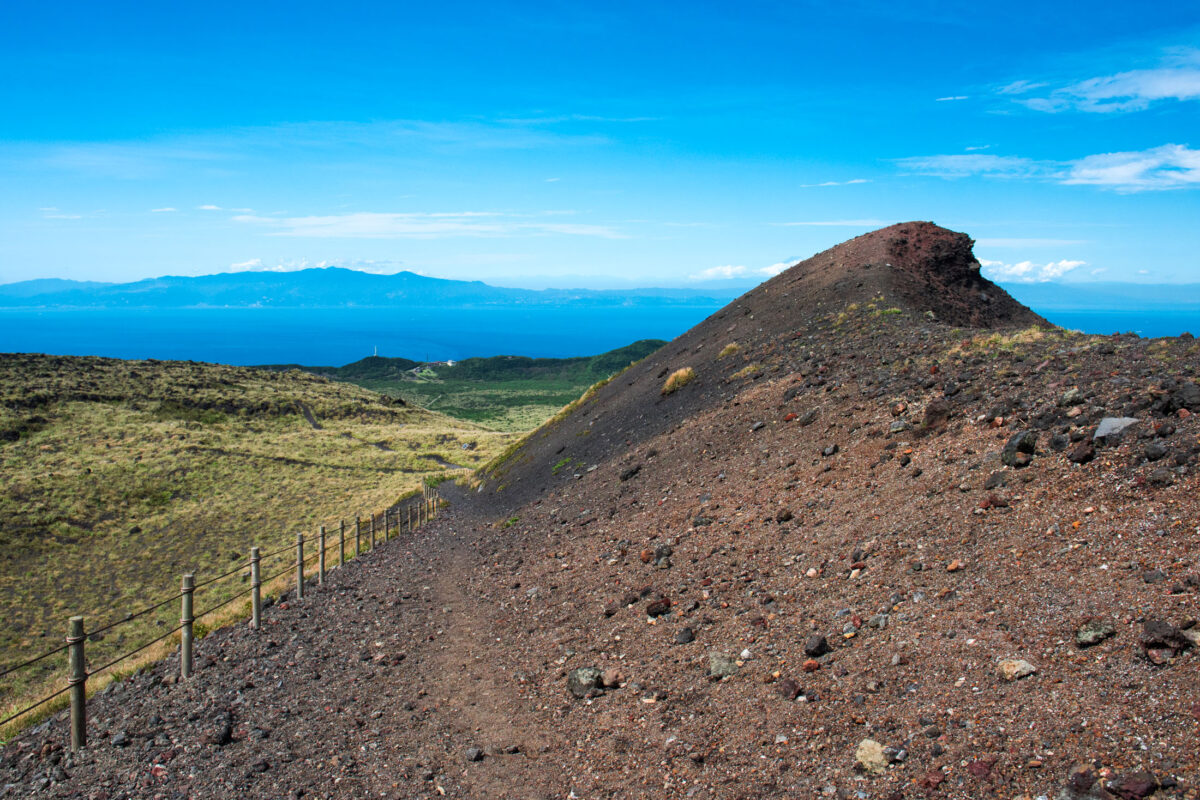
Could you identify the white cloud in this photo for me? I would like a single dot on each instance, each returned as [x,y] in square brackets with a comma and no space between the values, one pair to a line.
[1170,166]
[553,180]
[371,225]
[162,210]
[719,273]
[254,263]
[961,166]
[1020,87]
[834,183]
[62,216]
[977,147]
[209,208]
[1027,271]
[1133,90]
[775,269]
[1019,242]
[731,271]
[838,223]
[954,97]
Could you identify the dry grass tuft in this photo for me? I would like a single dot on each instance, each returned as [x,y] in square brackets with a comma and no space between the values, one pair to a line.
[729,349]
[678,379]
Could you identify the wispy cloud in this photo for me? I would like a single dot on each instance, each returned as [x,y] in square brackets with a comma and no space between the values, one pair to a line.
[374,225]
[837,223]
[1020,87]
[834,183]
[719,273]
[254,263]
[156,156]
[952,98]
[1018,242]
[162,210]
[209,208]
[1133,90]
[1027,271]
[961,166]
[1170,166]
[731,271]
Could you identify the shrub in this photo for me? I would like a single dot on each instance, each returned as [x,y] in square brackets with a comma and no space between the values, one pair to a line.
[679,378]
[729,350]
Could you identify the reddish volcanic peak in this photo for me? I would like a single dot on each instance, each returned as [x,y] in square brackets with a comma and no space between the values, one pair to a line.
[916,265]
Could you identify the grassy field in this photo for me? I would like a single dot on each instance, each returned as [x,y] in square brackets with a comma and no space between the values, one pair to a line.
[504,393]
[119,476]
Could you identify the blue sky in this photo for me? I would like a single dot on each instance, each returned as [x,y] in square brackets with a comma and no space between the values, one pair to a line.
[614,144]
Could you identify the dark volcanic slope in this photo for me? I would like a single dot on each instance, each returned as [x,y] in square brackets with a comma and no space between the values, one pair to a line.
[916,270]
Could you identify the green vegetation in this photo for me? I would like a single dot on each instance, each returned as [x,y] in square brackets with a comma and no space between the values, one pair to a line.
[505,393]
[747,371]
[729,349]
[119,476]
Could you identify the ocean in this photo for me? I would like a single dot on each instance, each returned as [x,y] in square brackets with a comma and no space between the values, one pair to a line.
[336,336]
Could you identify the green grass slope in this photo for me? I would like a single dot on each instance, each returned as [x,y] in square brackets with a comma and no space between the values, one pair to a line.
[506,393]
[118,476]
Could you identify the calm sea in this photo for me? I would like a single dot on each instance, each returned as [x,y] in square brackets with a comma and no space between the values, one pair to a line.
[332,337]
[338,336]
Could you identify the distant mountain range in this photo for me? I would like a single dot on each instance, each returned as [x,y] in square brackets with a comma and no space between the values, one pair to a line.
[326,288]
[1131,296]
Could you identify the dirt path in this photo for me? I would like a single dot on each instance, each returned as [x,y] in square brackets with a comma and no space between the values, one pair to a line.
[378,684]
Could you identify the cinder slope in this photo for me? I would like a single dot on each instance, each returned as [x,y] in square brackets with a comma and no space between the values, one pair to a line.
[914,269]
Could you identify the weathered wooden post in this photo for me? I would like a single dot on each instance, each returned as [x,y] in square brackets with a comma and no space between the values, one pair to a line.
[78,683]
[321,559]
[372,530]
[387,524]
[299,566]
[185,621]
[342,546]
[255,589]
[357,535]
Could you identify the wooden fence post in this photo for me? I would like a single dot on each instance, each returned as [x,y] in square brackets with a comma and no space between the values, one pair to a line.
[387,524]
[321,559]
[78,683]
[185,620]
[255,589]
[357,535]
[342,546]
[372,530]
[299,566]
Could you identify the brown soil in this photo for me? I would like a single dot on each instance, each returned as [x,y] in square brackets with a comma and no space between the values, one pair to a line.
[853,486]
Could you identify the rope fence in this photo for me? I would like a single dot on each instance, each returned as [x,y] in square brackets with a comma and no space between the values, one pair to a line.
[363,538]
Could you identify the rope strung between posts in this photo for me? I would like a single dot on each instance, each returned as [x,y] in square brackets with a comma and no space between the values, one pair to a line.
[38,704]
[131,617]
[33,660]
[119,659]
[223,575]
[402,516]
[240,594]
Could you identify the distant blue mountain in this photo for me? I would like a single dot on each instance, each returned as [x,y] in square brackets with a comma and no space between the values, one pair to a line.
[327,287]
[1109,295]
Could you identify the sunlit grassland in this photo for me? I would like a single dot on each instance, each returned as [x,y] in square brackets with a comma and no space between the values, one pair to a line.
[117,477]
